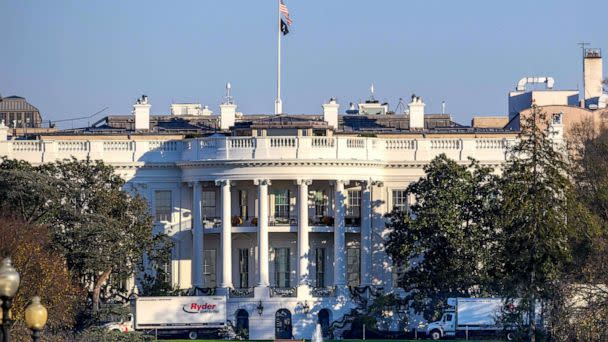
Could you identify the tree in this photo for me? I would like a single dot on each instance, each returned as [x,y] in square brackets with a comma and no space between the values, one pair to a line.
[445,240]
[43,273]
[101,230]
[537,216]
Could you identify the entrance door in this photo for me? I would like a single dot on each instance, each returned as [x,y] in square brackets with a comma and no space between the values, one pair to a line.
[282,325]
[242,323]
[323,320]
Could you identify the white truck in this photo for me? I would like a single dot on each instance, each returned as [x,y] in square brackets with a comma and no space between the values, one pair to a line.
[470,316]
[170,316]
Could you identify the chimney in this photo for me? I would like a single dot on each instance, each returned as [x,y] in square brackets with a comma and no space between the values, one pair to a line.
[227,115]
[141,110]
[592,63]
[416,109]
[330,113]
[3,131]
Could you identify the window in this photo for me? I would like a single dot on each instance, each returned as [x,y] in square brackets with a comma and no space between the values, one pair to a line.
[353,207]
[209,268]
[208,204]
[320,267]
[352,266]
[400,200]
[243,268]
[399,269]
[162,205]
[243,204]
[281,204]
[448,318]
[281,266]
[320,200]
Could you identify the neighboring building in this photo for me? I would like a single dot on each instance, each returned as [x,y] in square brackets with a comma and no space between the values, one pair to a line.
[283,210]
[592,107]
[16,112]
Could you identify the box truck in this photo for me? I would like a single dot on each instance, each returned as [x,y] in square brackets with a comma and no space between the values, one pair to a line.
[470,316]
[170,316]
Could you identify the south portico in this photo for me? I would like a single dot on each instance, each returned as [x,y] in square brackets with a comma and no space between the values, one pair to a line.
[335,213]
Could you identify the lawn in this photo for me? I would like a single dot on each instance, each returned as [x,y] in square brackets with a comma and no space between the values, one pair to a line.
[341,340]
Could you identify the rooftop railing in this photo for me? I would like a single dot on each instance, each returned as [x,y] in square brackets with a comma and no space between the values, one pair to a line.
[259,148]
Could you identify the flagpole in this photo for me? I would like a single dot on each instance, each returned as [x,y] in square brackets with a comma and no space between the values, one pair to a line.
[278,104]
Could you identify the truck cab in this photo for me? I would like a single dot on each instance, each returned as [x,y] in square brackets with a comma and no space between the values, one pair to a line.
[124,326]
[446,326]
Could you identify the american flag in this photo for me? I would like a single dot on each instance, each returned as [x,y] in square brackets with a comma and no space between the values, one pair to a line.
[283,9]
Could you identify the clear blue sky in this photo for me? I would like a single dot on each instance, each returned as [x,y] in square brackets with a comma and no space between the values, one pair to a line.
[71,58]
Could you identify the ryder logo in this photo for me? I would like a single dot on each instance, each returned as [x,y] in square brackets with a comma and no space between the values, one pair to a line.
[200,308]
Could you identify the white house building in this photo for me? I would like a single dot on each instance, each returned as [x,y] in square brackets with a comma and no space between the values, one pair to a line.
[282,214]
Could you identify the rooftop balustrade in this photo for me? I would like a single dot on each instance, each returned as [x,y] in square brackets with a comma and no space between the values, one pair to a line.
[258,148]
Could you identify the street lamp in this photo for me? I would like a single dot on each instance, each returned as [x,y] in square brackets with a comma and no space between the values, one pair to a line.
[35,317]
[9,283]
[260,308]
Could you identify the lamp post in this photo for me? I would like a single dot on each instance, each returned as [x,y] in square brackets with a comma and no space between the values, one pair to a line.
[35,317]
[35,313]
[9,283]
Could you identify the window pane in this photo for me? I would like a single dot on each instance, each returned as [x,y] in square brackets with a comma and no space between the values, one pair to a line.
[282,267]
[353,207]
[244,268]
[209,268]
[399,200]
[352,266]
[320,267]
[162,205]
[208,205]
[320,203]
[281,203]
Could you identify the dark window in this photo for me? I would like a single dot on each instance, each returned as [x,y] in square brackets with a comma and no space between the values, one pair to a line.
[352,266]
[162,205]
[244,267]
[320,267]
[282,267]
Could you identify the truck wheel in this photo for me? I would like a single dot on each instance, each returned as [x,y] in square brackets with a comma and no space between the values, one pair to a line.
[193,335]
[510,336]
[435,335]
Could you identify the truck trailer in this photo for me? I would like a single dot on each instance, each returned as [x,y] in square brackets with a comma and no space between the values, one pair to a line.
[471,316]
[192,316]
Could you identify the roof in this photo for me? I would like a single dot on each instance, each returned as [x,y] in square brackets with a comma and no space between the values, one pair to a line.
[16,103]
[348,124]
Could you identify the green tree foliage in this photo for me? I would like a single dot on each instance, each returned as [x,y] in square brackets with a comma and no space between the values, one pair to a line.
[539,216]
[102,231]
[447,238]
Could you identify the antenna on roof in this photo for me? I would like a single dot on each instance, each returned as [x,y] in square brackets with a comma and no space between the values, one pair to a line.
[401,105]
[228,98]
[442,107]
[371,90]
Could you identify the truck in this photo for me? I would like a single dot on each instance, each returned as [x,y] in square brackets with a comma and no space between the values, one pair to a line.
[471,316]
[190,316]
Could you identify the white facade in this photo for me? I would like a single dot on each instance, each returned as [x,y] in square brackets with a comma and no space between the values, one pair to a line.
[314,204]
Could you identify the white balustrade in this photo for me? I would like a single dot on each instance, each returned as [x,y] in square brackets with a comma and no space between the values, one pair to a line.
[259,148]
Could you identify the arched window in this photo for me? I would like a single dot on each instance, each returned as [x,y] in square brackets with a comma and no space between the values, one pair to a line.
[242,323]
[282,325]
[323,320]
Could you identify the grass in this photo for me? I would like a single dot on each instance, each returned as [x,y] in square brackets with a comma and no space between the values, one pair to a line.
[342,340]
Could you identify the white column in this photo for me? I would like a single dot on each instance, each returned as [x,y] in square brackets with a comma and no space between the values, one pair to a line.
[226,235]
[198,247]
[303,246]
[339,235]
[366,233]
[263,232]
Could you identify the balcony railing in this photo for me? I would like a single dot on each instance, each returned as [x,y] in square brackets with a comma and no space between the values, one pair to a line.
[242,293]
[283,292]
[282,221]
[326,291]
[260,148]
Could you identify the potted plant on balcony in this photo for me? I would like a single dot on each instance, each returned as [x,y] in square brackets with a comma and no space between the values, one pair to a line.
[237,220]
[254,221]
[327,221]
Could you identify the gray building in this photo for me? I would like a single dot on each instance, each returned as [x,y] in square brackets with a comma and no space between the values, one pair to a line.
[16,112]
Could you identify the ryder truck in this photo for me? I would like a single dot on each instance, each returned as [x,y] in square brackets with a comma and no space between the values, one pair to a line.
[470,316]
[170,316]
